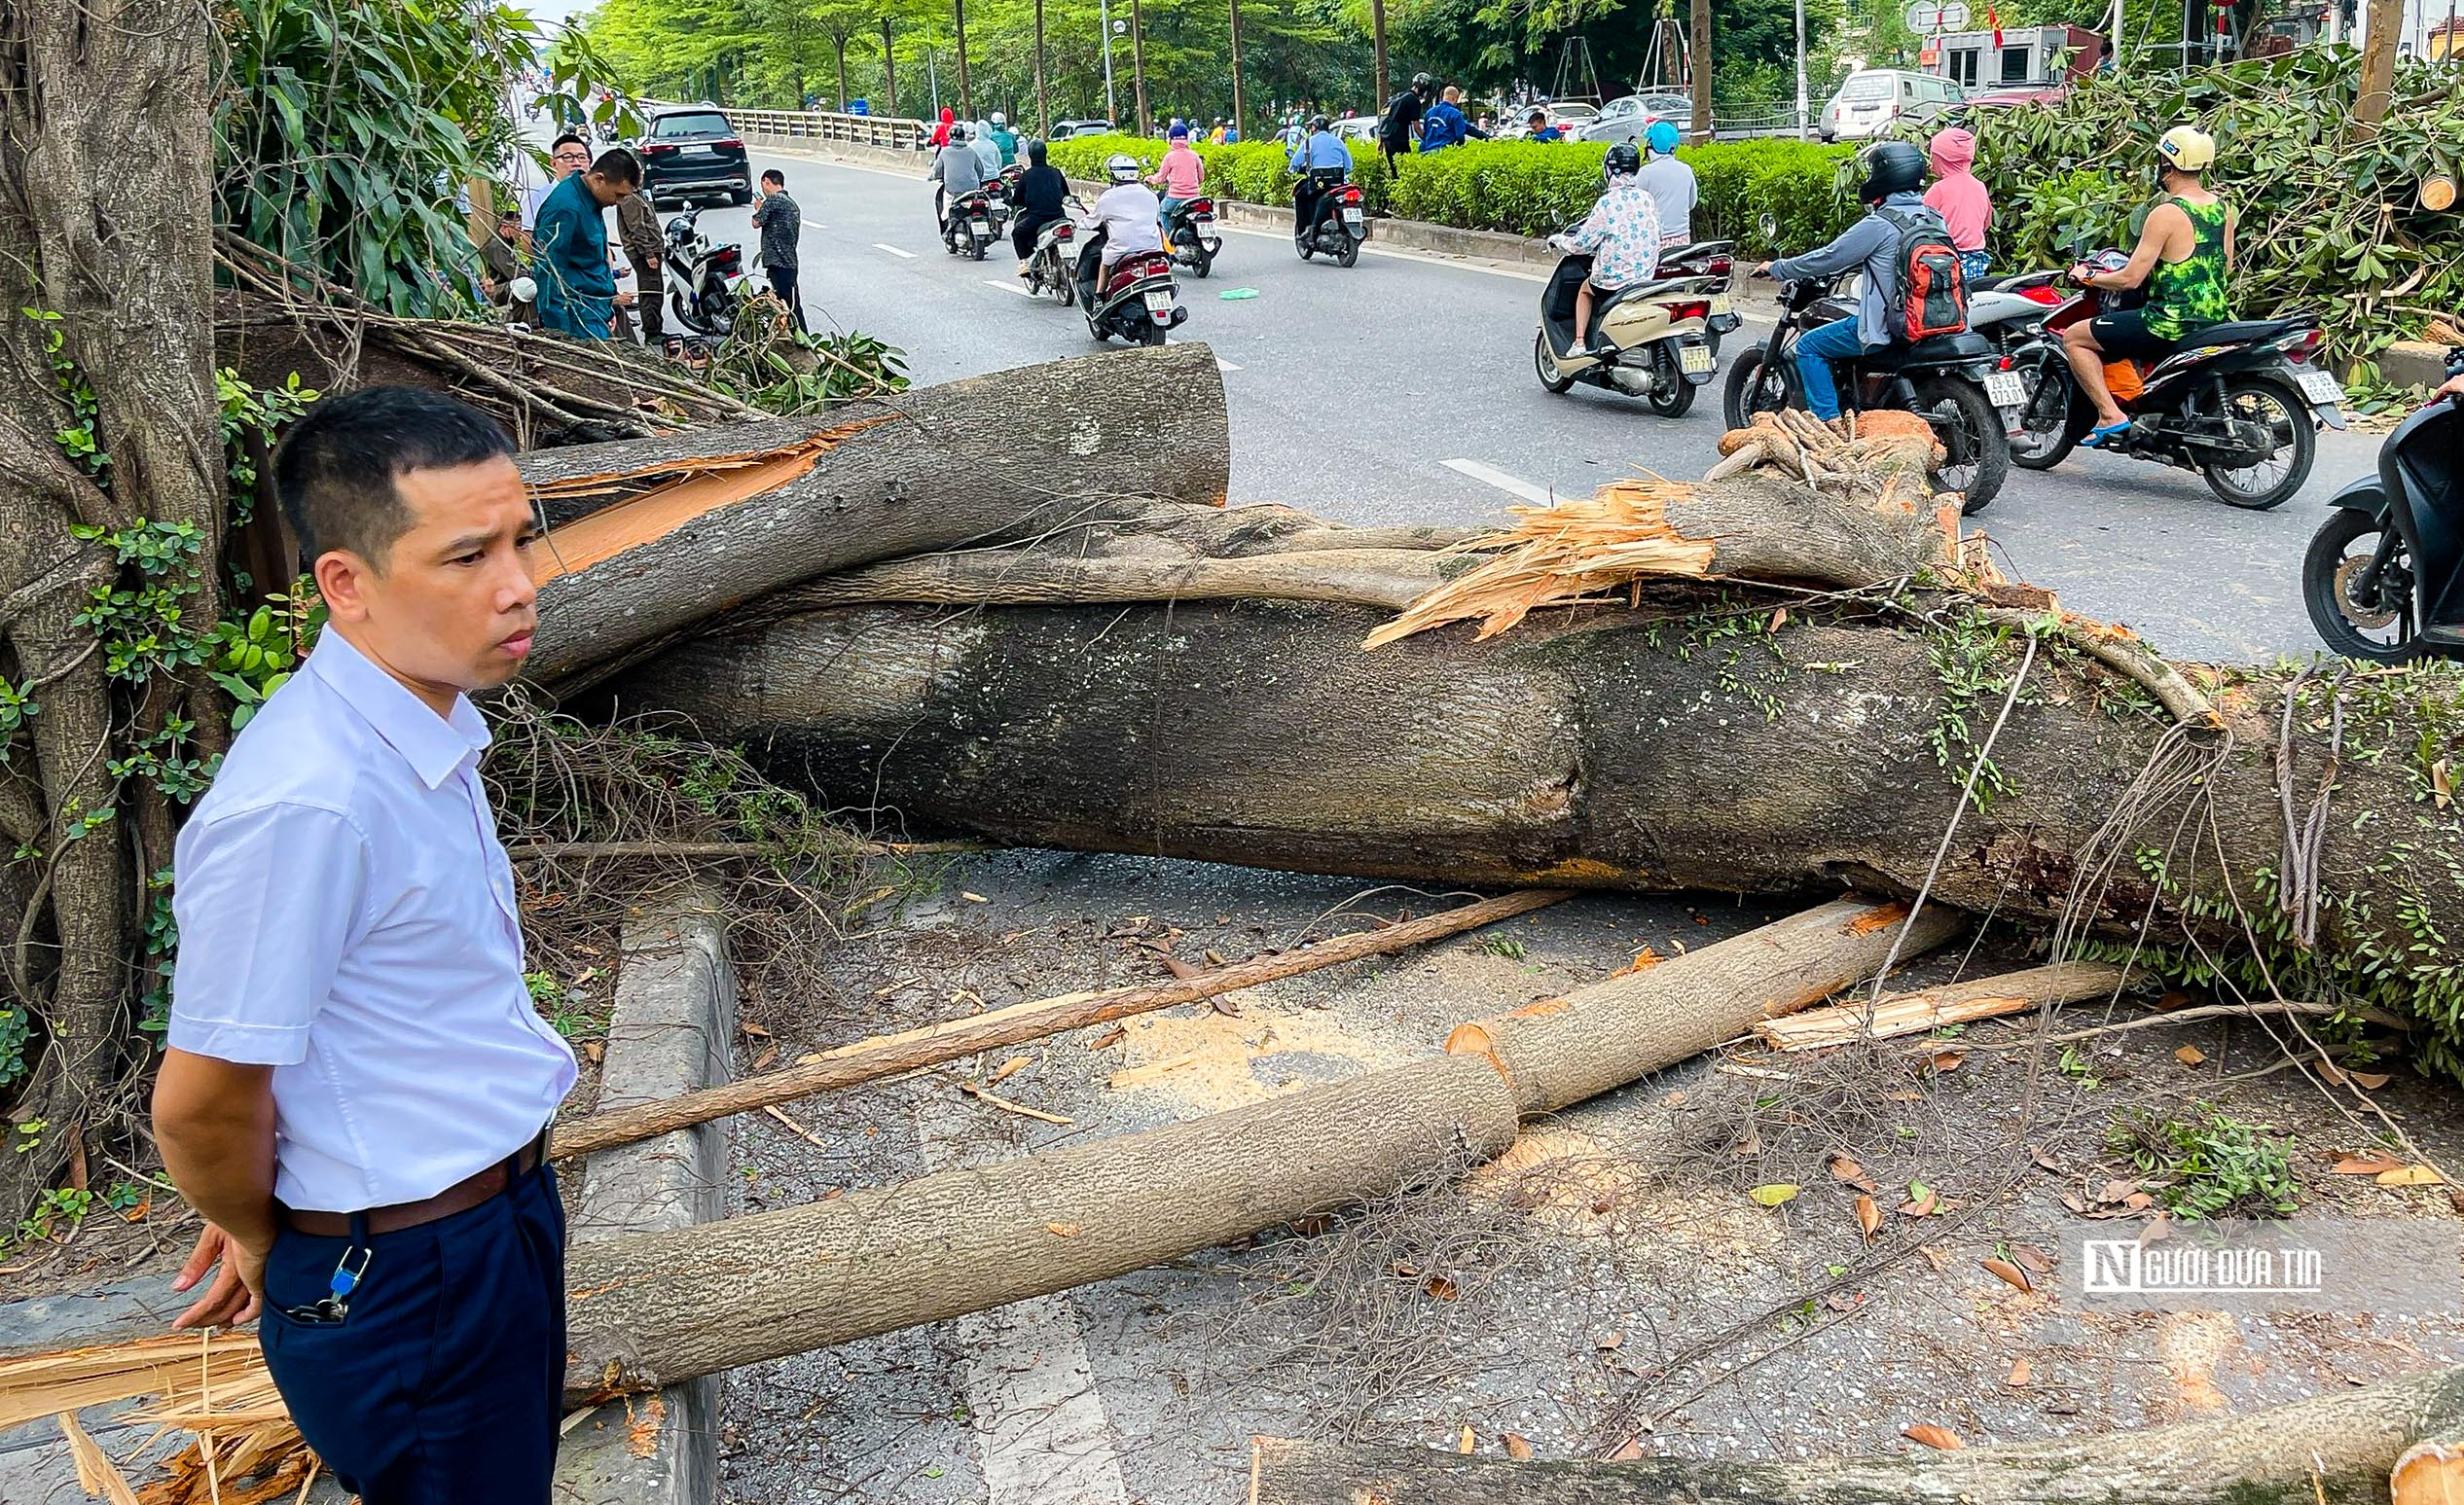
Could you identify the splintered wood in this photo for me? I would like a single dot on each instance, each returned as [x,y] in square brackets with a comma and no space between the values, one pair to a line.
[1932,1008]
[1886,456]
[216,1386]
[1562,553]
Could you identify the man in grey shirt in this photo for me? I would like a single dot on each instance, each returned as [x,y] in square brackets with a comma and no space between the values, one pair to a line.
[959,172]
[1670,183]
[1894,172]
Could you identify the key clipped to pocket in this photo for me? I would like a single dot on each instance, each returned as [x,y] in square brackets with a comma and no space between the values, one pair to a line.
[333,1306]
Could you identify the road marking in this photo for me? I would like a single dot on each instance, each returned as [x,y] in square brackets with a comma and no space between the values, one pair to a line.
[1008,287]
[894,251]
[1489,475]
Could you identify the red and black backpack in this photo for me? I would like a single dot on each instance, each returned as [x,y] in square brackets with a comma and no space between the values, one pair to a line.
[1932,297]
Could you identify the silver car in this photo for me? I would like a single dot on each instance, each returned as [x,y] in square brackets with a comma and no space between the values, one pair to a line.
[1626,117]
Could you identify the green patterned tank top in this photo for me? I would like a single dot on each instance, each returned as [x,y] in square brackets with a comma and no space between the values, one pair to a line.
[2188,295]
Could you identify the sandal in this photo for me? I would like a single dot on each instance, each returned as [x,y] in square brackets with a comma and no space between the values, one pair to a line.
[2096,436]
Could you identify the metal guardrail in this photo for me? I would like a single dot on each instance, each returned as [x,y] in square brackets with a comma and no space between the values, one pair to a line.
[890,131]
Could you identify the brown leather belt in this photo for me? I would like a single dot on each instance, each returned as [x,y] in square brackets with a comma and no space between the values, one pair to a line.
[460,1197]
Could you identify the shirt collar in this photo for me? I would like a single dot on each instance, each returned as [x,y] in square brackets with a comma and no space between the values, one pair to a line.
[433,745]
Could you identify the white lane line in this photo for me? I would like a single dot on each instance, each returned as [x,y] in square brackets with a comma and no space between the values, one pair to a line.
[894,251]
[1374,249]
[1491,476]
[1008,287]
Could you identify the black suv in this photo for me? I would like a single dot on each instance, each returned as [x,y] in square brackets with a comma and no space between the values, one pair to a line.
[693,153]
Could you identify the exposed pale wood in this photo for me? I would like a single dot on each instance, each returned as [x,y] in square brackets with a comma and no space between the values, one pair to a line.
[2337,1448]
[1953,1003]
[867,1060]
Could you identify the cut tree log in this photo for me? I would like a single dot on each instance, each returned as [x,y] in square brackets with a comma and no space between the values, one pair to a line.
[1952,1003]
[1000,458]
[2337,1448]
[888,1055]
[653,1308]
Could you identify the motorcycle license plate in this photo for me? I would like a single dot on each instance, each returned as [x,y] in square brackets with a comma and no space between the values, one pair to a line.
[1351,216]
[1693,360]
[1720,305]
[2005,389]
[1158,302]
[2321,386]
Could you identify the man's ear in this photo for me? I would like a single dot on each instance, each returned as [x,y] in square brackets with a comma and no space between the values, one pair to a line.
[343,579]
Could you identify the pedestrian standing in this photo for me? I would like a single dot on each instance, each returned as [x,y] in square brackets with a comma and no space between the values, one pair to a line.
[567,155]
[1401,129]
[573,265]
[356,1089]
[501,269]
[637,231]
[781,225]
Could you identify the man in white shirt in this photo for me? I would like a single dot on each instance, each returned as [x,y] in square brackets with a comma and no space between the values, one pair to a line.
[356,1085]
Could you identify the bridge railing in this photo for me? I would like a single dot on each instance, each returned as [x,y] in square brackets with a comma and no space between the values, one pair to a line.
[889,132]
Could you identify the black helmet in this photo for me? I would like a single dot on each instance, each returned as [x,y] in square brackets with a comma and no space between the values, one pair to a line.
[1423,82]
[1893,168]
[1622,161]
[1318,123]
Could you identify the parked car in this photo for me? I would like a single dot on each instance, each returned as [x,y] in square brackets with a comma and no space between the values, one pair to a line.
[1626,117]
[1063,131]
[693,153]
[1568,115]
[1872,98]
[1358,127]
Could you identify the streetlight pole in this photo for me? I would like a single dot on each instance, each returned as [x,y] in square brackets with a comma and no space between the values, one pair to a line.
[1103,21]
[1802,123]
[967,96]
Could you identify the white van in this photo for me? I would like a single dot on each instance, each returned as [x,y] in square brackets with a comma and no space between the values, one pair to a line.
[1872,98]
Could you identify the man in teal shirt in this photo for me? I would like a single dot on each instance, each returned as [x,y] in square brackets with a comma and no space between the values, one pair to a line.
[578,289]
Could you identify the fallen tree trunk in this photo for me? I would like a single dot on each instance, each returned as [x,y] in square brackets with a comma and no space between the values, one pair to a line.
[2339,1448]
[649,1310]
[1952,1003]
[870,1061]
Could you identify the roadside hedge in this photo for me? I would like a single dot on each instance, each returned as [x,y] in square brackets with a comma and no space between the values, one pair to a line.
[1528,188]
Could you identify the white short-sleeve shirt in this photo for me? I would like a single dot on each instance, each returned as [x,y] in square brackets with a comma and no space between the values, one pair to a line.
[346,916]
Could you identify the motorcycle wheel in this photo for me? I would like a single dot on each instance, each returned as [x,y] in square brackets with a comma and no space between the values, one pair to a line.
[1203,265]
[1065,289]
[1151,335]
[1672,395]
[2337,554]
[2272,482]
[1306,245]
[2047,433]
[1545,364]
[1349,255]
[977,248]
[1753,387]
[1976,453]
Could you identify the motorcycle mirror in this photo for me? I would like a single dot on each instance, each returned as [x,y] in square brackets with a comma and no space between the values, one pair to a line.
[1769,225]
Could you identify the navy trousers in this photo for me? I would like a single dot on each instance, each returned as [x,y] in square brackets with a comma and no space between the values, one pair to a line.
[443,1382]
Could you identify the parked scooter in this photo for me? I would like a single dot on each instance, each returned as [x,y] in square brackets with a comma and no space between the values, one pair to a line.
[2239,403]
[1189,234]
[1955,383]
[1338,223]
[2384,575]
[1651,340]
[1137,300]
[1049,266]
[705,283]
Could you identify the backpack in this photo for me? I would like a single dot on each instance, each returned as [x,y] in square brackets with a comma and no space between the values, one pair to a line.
[1394,130]
[1932,294]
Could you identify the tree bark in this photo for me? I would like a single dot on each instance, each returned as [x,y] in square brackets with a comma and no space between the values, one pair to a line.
[1044,112]
[2384,28]
[2338,1446]
[1005,457]
[1138,66]
[1238,111]
[890,68]
[966,95]
[654,1308]
[1377,53]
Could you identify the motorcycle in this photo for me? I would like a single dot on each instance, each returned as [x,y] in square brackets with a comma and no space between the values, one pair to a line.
[2389,559]
[705,283]
[1338,223]
[1137,302]
[2238,403]
[1955,383]
[1189,235]
[1048,269]
[972,222]
[1717,259]
[1651,340]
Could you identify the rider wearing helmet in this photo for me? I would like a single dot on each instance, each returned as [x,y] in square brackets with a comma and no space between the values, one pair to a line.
[1622,236]
[1179,175]
[1671,182]
[1126,215]
[1894,172]
[1004,138]
[1318,162]
[1401,127]
[2184,254]
[1041,197]
[959,172]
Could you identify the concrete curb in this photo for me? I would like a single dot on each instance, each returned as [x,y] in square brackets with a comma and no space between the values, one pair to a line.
[673,1030]
[2413,363]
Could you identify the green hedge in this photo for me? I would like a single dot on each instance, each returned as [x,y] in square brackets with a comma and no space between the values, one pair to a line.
[1529,188]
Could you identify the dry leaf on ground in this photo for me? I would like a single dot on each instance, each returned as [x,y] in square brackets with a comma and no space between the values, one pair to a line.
[2010,1272]
[2020,1374]
[1933,1435]
[2190,1056]
[1868,1217]
[2369,1162]
[1517,1448]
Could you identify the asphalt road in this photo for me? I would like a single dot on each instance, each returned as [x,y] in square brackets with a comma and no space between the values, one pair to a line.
[1401,391]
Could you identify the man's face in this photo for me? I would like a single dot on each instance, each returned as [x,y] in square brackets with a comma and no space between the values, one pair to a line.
[453,608]
[570,158]
[607,191]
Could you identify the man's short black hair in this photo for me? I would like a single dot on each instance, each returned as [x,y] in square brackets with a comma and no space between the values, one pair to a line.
[337,468]
[618,165]
[562,139]
[774,175]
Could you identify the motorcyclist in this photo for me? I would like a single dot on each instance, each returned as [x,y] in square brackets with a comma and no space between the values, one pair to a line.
[1042,193]
[1126,216]
[1894,171]
[1179,175]
[1004,138]
[1320,163]
[2183,255]
[1671,182]
[1622,236]
[959,172]
[988,149]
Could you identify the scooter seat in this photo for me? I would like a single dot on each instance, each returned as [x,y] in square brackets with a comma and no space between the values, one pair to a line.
[2011,281]
[2246,331]
[1966,345]
[1693,251]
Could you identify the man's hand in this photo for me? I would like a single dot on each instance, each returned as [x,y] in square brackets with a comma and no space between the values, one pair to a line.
[625,299]
[650,264]
[239,1291]
[1761,270]
[2453,386]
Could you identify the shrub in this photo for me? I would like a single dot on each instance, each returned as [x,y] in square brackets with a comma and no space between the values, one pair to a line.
[1249,172]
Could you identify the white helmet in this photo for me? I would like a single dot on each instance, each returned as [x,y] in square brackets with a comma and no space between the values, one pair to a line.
[998,119]
[1121,167]
[2187,148]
